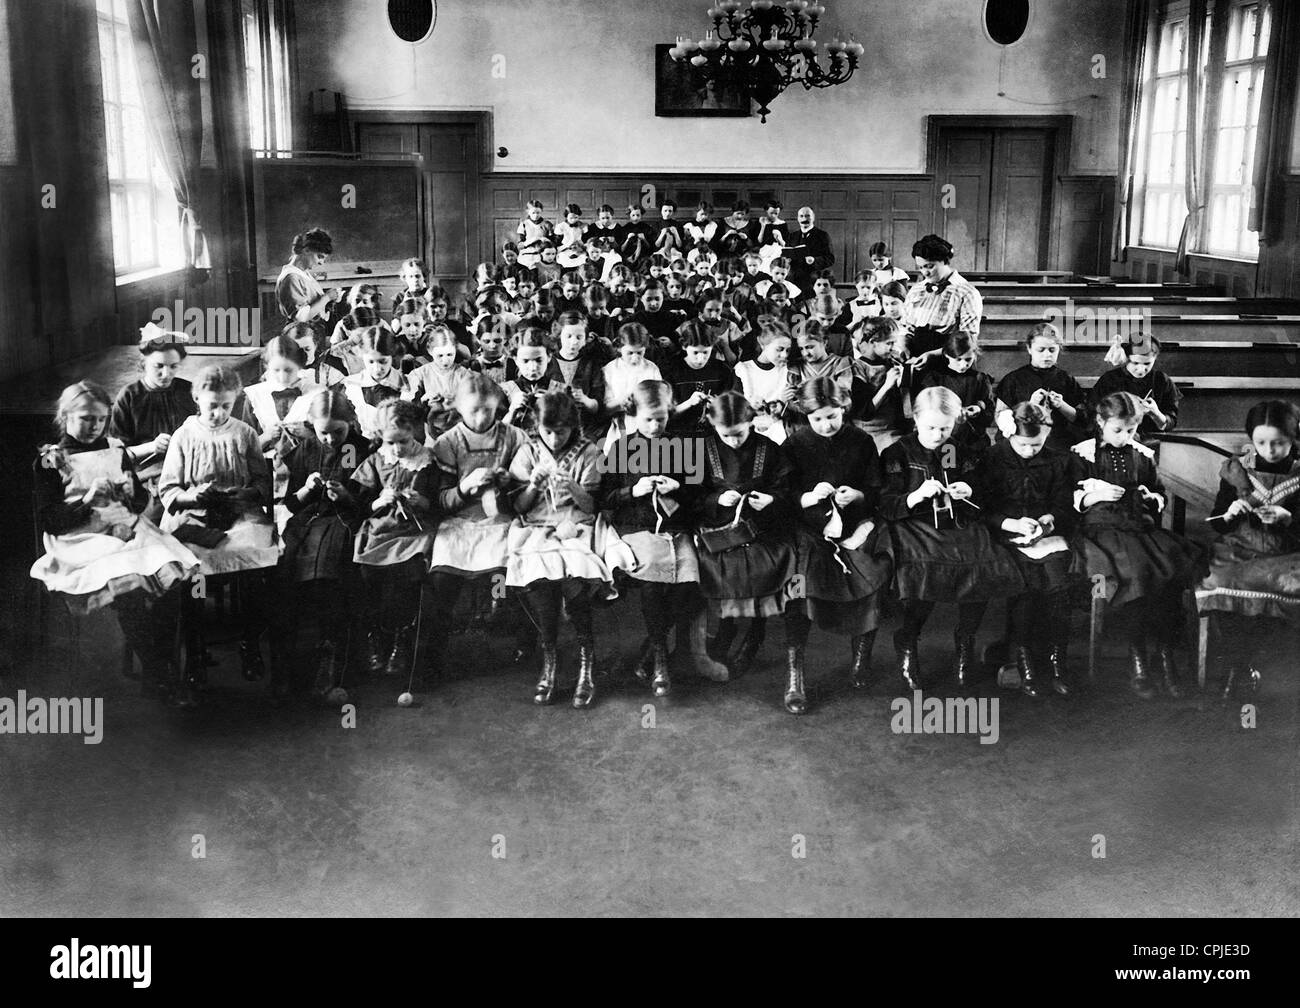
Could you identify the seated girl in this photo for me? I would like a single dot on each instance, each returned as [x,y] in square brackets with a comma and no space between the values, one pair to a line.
[100,549]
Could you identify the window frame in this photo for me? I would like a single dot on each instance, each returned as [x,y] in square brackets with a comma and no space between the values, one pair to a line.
[1219,193]
[154,189]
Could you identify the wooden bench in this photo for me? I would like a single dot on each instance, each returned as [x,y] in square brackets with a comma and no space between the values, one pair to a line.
[1173,330]
[1039,308]
[1201,359]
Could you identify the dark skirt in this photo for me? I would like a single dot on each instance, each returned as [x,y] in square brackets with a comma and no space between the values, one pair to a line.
[1053,573]
[749,580]
[317,549]
[831,573]
[1138,564]
[1249,583]
[951,565]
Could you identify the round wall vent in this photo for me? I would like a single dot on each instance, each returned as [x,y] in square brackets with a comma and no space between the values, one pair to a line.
[1006,20]
[412,20]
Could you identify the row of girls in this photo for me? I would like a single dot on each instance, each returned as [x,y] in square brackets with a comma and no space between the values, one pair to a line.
[141,491]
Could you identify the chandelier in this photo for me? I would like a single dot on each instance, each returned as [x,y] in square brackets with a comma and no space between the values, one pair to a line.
[765,48]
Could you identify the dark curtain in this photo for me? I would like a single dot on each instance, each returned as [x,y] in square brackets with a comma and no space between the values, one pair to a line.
[64,248]
[1273,134]
[166,44]
[1140,36]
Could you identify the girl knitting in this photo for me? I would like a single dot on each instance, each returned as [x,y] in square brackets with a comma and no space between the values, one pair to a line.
[316,568]
[879,380]
[533,377]
[280,399]
[842,554]
[646,492]
[436,385]
[765,381]
[397,492]
[1043,383]
[1254,566]
[100,549]
[579,366]
[942,550]
[380,379]
[556,543]
[216,488]
[696,378]
[624,373]
[746,549]
[1146,568]
[147,412]
[1027,501]
[1139,376]
[474,459]
[973,388]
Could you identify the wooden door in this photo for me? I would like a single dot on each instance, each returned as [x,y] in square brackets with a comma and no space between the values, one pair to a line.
[962,186]
[998,209]
[1019,199]
[451,167]
[451,189]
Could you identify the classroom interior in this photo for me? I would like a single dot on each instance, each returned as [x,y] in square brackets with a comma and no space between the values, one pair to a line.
[1040,160]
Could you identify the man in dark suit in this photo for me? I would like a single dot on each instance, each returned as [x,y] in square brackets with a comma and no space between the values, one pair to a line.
[808,249]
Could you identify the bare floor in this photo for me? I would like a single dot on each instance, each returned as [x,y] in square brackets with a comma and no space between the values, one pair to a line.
[476,802]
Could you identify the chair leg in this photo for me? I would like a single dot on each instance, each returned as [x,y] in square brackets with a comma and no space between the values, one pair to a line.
[1094,634]
[1202,646]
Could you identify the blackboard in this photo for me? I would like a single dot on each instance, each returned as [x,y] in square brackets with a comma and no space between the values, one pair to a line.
[293,194]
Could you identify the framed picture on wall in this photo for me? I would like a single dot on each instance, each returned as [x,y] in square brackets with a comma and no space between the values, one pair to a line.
[680,92]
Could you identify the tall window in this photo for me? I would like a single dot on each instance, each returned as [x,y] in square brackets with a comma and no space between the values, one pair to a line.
[1164,198]
[1230,136]
[266,71]
[146,221]
[1234,155]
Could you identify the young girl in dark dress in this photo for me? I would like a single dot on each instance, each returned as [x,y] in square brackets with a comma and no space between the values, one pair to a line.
[1043,383]
[1146,568]
[316,568]
[942,551]
[1139,377]
[842,555]
[974,389]
[1027,497]
[747,554]
[696,376]
[148,412]
[649,500]
[1255,565]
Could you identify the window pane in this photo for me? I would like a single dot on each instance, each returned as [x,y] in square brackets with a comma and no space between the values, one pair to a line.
[108,61]
[1265,26]
[135,140]
[1161,158]
[139,208]
[121,230]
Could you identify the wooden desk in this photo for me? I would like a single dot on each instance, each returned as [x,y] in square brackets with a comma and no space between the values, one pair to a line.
[385,274]
[115,368]
[1189,466]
